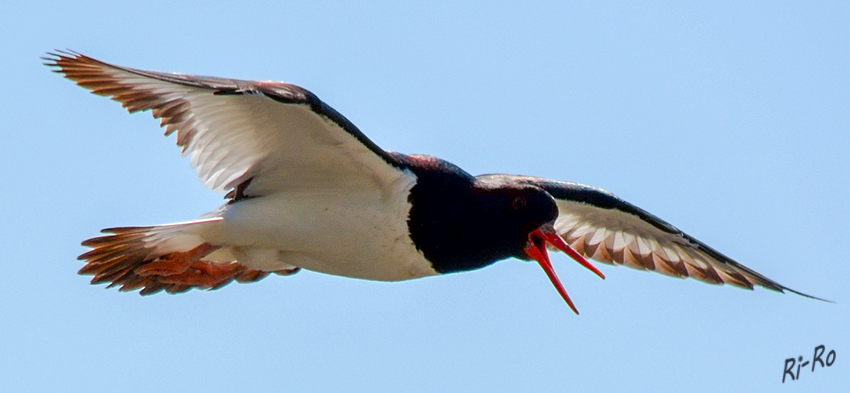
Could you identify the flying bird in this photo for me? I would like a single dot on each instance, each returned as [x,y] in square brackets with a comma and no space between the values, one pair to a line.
[306,189]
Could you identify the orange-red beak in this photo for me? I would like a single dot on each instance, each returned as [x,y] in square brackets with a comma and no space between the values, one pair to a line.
[536,249]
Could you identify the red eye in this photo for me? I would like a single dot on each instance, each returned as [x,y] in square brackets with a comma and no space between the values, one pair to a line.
[519,203]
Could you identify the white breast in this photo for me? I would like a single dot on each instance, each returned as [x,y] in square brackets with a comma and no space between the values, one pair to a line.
[360,234]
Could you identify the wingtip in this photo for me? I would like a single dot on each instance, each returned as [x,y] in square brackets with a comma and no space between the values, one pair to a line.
[805,295]
[51,59]
[60,53]
[57,56]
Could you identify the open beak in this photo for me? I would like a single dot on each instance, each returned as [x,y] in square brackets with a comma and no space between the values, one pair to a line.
[536,249]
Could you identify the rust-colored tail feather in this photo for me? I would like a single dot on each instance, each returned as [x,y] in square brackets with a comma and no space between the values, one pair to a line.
[126,258]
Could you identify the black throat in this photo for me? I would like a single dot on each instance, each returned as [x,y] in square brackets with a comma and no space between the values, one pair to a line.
[455,224]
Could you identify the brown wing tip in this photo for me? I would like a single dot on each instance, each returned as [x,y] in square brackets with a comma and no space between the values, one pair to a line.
[57,55]
[63,58]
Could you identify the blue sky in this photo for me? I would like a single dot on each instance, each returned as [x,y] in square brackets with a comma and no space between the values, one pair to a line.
[728,120]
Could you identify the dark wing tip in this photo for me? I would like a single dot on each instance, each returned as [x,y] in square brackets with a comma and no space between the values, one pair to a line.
[754,276]
[53,58]
[784,288]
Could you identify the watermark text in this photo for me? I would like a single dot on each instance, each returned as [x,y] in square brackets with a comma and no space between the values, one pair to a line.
[819,359]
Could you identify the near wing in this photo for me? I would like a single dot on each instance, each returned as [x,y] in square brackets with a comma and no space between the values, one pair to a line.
[601,226]
[275,135]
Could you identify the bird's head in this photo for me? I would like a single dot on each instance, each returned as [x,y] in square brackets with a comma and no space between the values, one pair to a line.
[529,215]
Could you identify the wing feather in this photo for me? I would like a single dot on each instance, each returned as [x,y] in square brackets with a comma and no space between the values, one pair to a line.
[601,226]
[278,135]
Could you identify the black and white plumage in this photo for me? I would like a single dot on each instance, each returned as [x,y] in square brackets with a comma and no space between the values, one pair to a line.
[307,189]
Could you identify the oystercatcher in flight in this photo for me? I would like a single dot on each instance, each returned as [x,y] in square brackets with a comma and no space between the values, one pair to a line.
[306,189]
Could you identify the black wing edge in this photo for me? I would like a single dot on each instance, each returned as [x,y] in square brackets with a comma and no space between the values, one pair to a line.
[603,199]
[282,92]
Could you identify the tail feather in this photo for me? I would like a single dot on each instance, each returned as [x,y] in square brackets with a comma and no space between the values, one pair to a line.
[166,258]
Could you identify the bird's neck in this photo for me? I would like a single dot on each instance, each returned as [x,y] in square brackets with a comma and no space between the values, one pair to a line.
[447,222]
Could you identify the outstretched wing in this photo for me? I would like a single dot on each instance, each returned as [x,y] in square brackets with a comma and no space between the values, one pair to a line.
[601,226]
[266,136]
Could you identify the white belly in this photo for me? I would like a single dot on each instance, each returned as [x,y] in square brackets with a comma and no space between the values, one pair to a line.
[360,235]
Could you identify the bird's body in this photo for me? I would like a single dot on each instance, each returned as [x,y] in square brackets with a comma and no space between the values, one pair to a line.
[360,235]
[306,189]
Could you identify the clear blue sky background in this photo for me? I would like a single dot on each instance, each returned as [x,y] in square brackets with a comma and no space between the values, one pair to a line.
[728,120]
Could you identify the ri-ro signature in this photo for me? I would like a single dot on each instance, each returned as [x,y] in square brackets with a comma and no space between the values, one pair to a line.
[817,359]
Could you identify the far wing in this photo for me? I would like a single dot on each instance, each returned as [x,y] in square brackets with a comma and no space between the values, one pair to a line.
[266,136]
[601,226]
